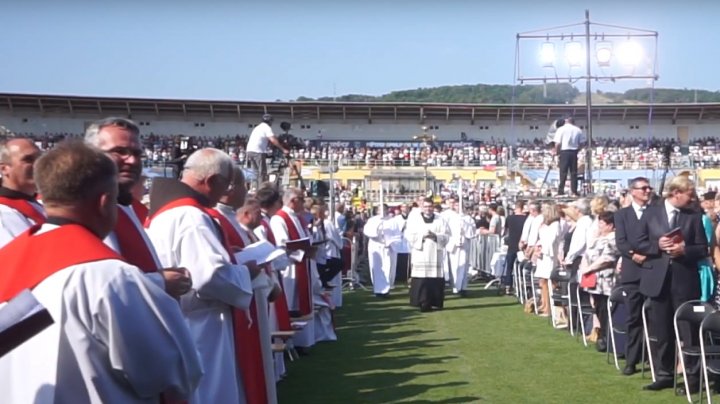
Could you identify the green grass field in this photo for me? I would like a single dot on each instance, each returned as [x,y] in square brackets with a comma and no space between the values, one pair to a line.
[479,349]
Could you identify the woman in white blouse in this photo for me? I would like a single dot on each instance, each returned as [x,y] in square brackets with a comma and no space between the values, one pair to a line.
[548,249]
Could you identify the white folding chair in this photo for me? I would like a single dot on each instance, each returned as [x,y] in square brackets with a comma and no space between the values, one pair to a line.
[617,296]
[647,341]
[693,312]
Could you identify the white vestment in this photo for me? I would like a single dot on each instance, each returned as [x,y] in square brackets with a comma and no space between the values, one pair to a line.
[112,242]
[427,254]
[394,231]
[379,257]
[14,223]
[187,237]
[117,338]
[305,337]
[333,249]
[462,230]
[262,286]
[279,357]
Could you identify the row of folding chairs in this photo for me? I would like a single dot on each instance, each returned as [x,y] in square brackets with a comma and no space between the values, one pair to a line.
[697,314]
[568,294]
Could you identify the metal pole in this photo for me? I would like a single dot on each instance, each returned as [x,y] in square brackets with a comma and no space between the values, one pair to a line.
[332,191]
[588,105]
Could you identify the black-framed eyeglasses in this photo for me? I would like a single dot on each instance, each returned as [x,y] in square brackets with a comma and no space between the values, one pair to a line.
[645,188]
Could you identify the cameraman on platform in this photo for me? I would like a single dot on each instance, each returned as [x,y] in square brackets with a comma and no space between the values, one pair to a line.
[257,148]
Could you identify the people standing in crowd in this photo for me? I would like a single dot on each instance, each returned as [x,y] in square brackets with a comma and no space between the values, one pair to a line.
[185,234]
[379,255]
[548,253]
[672,276]
[18,208]
[257,148]
[569,139]
[580,234]
[598,266]
[513,233]
[627,228]
[119,139]
[428,239]
[116,336]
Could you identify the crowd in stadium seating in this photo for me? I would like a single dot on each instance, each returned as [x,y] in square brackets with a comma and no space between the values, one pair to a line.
[615,153]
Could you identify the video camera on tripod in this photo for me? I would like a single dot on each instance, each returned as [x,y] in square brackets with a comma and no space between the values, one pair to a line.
[287,140]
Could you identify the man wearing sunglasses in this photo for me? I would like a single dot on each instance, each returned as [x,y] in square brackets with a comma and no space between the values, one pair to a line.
[627,227]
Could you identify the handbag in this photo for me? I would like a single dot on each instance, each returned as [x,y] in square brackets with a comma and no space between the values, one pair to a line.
[588,281]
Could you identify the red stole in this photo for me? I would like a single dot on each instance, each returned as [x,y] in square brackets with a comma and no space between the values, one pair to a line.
[24,207]
[248,354]
[302,269]
[141,211]
[28,260]
[132,244]
[265,222]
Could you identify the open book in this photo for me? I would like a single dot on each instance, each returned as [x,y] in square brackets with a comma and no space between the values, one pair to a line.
[261,252]
[299,244]
[21,318]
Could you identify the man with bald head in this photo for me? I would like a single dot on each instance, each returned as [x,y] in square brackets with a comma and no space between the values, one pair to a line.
[185,234]
[18,208]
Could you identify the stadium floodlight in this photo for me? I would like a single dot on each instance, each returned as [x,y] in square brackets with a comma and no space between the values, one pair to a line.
[574,53]
[547,54]
[629,53]
[603,53]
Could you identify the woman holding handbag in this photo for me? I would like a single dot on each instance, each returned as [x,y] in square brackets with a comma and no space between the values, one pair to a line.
[597,270]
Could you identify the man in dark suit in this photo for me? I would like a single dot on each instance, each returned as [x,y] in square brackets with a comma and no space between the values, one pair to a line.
[670,275]
[627,228]
[512,235]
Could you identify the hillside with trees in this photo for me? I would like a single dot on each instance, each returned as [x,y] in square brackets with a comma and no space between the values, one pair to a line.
[563,93]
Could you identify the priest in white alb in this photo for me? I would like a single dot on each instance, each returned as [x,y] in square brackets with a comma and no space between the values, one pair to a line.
[462,230]
[379,255]
[119,138]
[18,208]
[116,337]
[428,238]
[287,225]
[182,228]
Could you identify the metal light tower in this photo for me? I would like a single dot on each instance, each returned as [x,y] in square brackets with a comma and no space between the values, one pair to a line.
[619,55]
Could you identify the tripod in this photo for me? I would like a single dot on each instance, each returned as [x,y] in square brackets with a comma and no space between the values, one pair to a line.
[286,168]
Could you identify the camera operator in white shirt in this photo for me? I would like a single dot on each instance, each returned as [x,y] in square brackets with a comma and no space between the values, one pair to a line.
[257,148]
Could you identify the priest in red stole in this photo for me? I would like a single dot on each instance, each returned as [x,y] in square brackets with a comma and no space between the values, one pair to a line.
[270,202]
[119,138]
[185,234]
[288,225]
[116,337]
[18,208]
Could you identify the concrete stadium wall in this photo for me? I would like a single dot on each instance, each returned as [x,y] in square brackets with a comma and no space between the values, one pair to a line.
[378,130]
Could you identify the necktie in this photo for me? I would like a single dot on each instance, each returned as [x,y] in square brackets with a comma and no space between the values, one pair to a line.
[673,218]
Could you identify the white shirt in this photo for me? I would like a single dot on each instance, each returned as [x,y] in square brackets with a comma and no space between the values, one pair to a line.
[671,212]
[534,232]
[14,223]
[569,137]
[258,141]
[639,210]
[579,238]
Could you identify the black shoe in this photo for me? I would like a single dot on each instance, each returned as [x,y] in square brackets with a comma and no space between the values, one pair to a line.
[693,386]
[425,308]
[601,345]
[463,293]
[629,370]
[660,384]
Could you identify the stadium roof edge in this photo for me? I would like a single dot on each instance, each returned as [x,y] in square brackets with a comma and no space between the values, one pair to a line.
[298,110]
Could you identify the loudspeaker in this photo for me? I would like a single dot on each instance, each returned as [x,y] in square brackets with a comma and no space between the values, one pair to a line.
[319,189]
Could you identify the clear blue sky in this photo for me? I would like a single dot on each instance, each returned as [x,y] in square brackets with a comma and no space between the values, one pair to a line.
[283,49]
